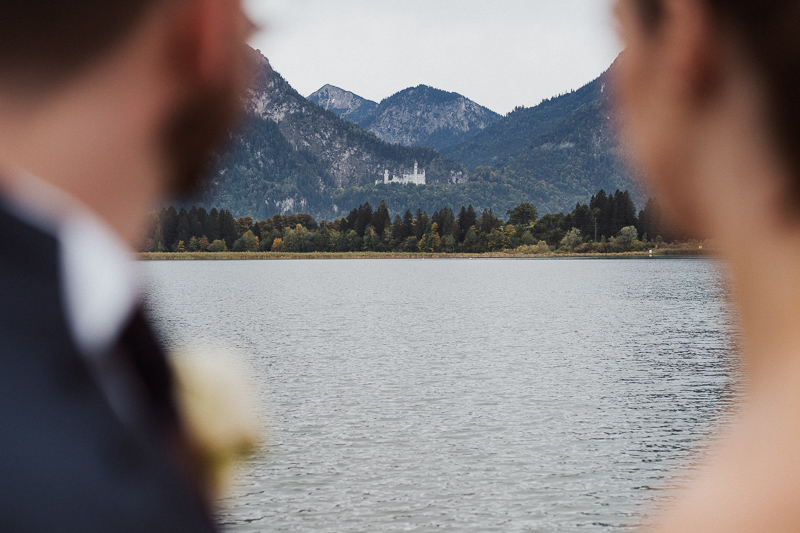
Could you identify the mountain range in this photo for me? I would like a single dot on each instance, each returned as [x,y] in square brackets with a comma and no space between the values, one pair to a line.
[417,116]
[291,154]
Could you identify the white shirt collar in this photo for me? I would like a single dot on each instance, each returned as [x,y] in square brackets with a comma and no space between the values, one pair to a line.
[99,282]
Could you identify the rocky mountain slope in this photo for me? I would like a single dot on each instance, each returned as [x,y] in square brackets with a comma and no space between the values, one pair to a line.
[417,116]
[424,116]
[291,155]
[347,105]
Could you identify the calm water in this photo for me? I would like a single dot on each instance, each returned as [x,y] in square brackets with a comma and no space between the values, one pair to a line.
[463,395]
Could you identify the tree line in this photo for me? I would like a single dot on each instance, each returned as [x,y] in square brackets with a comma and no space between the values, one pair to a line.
[608,223]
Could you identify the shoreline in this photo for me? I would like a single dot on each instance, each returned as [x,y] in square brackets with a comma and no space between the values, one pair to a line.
[284,256]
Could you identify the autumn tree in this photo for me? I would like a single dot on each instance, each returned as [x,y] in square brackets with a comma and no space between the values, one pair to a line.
[246,243]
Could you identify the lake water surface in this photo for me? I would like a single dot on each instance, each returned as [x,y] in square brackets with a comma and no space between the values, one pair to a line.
[463,395]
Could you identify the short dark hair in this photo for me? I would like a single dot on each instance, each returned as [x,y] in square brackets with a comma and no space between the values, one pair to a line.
[47,40]
[768,32]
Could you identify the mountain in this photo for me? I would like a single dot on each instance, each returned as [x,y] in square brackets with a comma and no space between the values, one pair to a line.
[520,128]
[347,105]
[417,116]
[291,155]
[559,152]
[424,116]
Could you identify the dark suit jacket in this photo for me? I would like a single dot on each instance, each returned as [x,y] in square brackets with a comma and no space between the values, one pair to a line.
[67,463]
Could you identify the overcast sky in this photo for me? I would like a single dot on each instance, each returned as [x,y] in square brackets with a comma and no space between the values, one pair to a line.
[500,53]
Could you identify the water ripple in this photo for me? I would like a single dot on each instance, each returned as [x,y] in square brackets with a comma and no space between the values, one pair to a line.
[464,395]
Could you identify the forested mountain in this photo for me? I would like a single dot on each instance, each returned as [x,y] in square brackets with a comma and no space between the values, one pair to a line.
[417,116]
[557,153]
[290,155]
[517,130]
[347,105]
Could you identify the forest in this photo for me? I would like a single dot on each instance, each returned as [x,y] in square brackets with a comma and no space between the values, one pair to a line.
[609,223]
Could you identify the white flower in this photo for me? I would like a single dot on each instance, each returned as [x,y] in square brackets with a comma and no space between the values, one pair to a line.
[216,404]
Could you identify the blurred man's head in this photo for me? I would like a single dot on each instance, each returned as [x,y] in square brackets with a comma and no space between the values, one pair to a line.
[45,42]
[190,54]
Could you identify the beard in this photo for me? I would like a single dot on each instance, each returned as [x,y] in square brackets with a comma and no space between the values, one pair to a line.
[198,127]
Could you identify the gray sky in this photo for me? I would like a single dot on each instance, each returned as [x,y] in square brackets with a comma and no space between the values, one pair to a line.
[500,53]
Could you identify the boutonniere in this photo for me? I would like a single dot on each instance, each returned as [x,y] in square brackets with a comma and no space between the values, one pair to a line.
[216,402]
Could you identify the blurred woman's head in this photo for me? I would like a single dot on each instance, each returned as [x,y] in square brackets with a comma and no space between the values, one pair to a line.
[703,82]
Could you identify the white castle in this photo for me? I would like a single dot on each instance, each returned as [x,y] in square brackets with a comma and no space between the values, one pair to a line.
[416,178]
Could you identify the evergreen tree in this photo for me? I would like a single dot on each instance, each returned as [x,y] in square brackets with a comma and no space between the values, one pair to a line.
[582,219]
[601,206]
[184,230]
[408,225]
[227,228]
[421,224]
[202,215]
[169,224]
[211,226]
[398,231]
[445,220]
[381,218]
[466,219]
[627,210]
[195,228]
[488,222]
[651,221]
[363,219]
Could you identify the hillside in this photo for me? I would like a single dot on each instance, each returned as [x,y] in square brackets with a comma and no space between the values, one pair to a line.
[417,116]
[559,152]
[424,116]
[345,104]
[570,161]
[291,155]
[517,130]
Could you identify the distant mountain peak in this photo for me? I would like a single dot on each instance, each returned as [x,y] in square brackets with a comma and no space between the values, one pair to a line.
[426,116]
[426,91]
[416,116]
[344,103]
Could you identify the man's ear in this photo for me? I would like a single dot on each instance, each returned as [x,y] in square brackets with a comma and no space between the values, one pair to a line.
[692,44]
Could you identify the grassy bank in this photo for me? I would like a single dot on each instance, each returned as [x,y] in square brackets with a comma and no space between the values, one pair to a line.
[687,251]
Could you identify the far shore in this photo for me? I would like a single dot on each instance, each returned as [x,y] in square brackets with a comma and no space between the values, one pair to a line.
[275,256]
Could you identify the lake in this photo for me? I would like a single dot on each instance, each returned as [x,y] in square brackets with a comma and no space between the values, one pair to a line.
[464,395]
